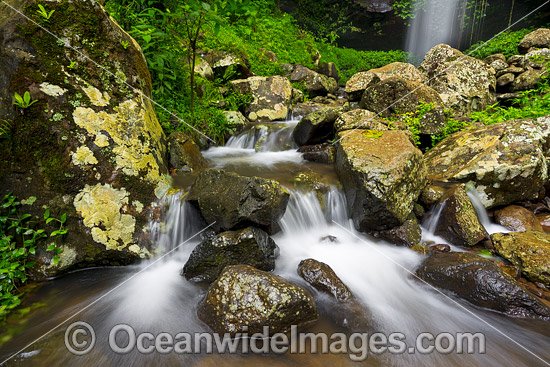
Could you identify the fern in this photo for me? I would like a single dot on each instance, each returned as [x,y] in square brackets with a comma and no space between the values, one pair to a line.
[5,128]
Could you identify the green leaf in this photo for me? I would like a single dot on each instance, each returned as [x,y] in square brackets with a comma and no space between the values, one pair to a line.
[47,214]
[27,97]
[49,220]
[63,218]
[51,247]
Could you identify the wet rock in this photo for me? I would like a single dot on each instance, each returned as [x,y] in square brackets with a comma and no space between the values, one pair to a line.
[317,127]
[246,297]
[311,182]
[249,246]
[90,141]
[432,193]
[185,155]
[324,279]
[395,96]
[464,83]
[518,219]
[320,153]
[329,69]
[481,282]
[527,80]
[316,84]
[458,222]
[506,161]
[401,69]
[382,174]
[407,234]
[528,250]
[271,97]
[329,238]
[356,85]
[440,248]
[539,39]
[234,201]
[421,249]
[227,66]
[544,220]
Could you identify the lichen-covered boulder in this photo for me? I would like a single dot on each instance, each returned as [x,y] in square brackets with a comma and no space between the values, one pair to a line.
[518,219]
[458,222]
[394,96]
[234,201]
[366,120]
[271,97]
[185,154]
[527,80]
[316,84]
[382,174]
[329,69]
[244,299]
[401,69]
[408,234]
[236,121]
[539,38]
[356,85]
[537,59]
[465,84]
[316,127]
[482,282]
[324,279]
[91,145]
[227,66]
[249,246]
[508,161]
[529,250]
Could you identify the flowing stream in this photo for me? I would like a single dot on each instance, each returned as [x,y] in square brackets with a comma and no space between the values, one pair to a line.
[154,297]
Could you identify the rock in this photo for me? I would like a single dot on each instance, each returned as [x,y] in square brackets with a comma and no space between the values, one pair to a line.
[356,85]
[516,61]
[249,246]
[496,57]
[458,222]
[316,84]
[303,109]
[518,219]
[421,249]
[244,299]
[481,282]
[272,97]
[90,141]
[464,83]
[185,155]
[528,250]
[407,234]
[324,279]
[317,127]
[537,59]
[440,248]
[539,39]
[382,174]
[432,193]
[320,153]
[544,221]
[505,80]
[401,69]
[227,66]
[395,96]
[204,70]
[234,201]
[329,69]
[506,161]
[297,96]
[310,181]
[367,120]
[527,80]
[236,121]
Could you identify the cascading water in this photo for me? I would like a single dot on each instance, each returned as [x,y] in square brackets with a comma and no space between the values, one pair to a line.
[434,23]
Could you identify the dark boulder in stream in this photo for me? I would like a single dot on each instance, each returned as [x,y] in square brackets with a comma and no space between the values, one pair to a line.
[246,297]
[324,279]
[233,201]
[316,127]
[482,282]
[250,246]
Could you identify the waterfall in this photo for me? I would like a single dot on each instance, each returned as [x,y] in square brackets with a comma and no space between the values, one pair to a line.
[434,23]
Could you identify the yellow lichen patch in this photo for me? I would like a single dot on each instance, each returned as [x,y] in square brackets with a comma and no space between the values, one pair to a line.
[100,206]
[83,156]
[142,252]
[101,140]
[138,206]
[96,97]
[52,90]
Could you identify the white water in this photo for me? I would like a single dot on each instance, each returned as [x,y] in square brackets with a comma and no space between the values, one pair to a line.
[432,25]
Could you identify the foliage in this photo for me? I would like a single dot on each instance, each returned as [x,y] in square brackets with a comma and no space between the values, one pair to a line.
[25,101]
[326,19]
[19,239]
[505,43]
[5,128]
[44,13]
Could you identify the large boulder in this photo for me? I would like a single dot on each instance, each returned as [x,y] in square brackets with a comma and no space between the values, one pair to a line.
[234,201]
[382,174]
[458,222]
[227,66]
[185,154]
[366,120]
[518,219]
[272,97]
[314,83]
[401,69]
[356,85]
[249,246]
[481,282]
[528,250]
[527,80]
[508,161]
[408,234]
[244,299]
[538,39]
[316,127]
[396,96]
[324,279]
[91,146]
[465,84]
